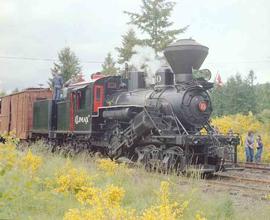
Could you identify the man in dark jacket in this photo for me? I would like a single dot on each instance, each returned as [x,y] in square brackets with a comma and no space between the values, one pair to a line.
[57,83]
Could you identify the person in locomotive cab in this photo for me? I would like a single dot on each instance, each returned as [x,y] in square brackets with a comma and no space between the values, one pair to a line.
[71,81]
[57,84]
[249,146]
[258,155]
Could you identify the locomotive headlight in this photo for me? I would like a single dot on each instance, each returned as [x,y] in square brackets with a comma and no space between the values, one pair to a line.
[202,106]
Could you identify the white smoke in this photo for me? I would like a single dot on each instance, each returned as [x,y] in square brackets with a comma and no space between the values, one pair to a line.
[146,60]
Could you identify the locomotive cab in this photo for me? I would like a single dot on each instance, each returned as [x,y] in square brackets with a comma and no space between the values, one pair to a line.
[87,99]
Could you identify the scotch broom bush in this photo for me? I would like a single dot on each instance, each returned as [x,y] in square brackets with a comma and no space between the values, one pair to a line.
[241,124]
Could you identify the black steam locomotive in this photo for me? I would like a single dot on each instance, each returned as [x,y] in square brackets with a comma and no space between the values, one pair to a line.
[164,127]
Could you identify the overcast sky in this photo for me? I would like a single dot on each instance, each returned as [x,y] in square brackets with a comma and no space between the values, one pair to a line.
[236,31]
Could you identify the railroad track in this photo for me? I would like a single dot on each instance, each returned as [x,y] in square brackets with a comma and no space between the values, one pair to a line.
[252,177]
[240,178]
[246,183]
[255,166]
[252,172]
[239,186]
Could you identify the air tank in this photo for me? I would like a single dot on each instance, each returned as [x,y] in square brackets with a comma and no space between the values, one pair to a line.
[183,56]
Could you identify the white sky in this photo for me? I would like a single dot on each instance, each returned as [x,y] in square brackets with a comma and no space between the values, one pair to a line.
[236,31]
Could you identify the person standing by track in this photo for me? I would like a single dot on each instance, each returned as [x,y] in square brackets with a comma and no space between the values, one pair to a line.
[249,146]
[258,155]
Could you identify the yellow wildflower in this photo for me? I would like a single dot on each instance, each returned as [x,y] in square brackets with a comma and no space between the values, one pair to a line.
[150,214]
[166,210]
[241,124]
[199,216]
[107,166]
[122,214]
[8,156]
[84,214]
[164,192]
[73,214]
[88,195]
[114,195]
[31,162]
[73,181]
[70,179]
[267,197]
[10,138]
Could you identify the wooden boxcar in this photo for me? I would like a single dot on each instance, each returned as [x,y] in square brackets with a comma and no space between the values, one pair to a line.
[16,111]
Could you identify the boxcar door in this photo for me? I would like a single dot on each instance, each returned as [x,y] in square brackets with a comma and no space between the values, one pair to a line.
[98,97]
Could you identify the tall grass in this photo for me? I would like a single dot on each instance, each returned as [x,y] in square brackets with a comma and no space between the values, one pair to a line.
[33,195]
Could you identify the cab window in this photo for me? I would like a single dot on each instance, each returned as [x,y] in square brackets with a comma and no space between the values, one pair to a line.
[98,94]
[81,99]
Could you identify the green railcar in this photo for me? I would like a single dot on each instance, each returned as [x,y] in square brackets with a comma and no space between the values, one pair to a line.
[43,116]
[74,113]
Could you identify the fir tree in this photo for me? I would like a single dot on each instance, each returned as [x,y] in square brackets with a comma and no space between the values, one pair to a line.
[126,51]
[15,90]
[108,67]
[238,95]
[2,93]
[67,65]
[153,20]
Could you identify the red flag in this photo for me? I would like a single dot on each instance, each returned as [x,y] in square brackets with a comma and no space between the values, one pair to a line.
[218,80]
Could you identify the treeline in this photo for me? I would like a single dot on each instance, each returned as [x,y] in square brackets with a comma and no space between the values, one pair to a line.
[241,95]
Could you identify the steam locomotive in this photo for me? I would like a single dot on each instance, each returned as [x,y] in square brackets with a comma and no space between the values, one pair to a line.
[160,126]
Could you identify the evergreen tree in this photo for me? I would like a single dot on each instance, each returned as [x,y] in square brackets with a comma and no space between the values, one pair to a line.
[2,93]
[153,20]
[250,92]
[108,67]
[126,51]
[217,96]
[68,64]
[264,116]
[236,96]
[251,78]
[262,94]
[15,90]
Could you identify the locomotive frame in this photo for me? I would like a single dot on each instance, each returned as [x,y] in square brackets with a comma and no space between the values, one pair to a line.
[125,130]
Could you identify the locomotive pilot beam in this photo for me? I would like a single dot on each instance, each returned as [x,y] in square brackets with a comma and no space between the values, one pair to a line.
[159,127]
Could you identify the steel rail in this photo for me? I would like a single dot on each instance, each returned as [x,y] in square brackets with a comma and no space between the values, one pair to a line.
[239,178]
[241,186]
[256,166]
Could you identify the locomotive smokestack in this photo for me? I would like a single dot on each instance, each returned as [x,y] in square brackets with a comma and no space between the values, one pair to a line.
[183,55]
